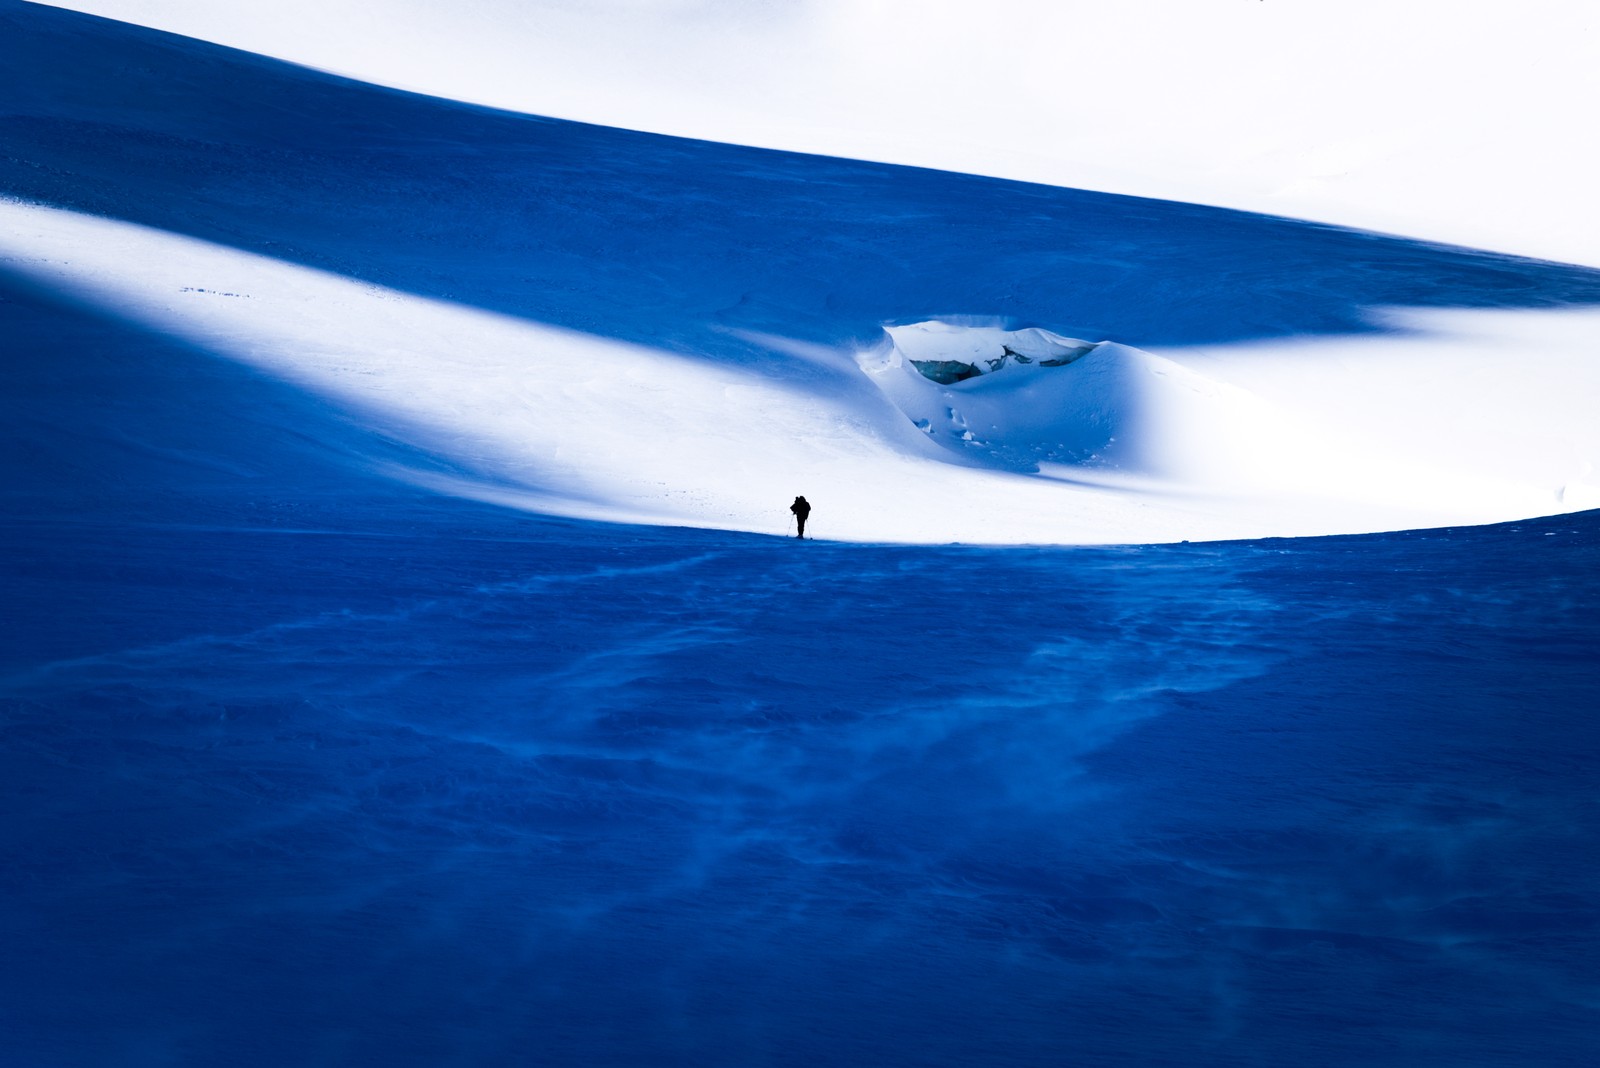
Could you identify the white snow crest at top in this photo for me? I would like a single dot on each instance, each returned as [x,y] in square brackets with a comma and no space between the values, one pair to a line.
[1464,123]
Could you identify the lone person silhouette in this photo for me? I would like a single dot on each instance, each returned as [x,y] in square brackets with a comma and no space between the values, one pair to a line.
[801,508]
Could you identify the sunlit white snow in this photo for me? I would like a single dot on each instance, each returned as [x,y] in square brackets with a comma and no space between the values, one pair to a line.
[1115,445]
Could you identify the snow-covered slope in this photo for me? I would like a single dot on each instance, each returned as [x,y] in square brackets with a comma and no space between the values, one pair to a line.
[307,760]
[1456,122]
[616,325]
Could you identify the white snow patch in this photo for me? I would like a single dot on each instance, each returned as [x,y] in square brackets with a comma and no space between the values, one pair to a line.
[1466,418]
[1405,429]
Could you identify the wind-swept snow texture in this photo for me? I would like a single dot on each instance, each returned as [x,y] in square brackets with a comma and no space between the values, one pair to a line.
[307,757]
[600,323]
[300,766]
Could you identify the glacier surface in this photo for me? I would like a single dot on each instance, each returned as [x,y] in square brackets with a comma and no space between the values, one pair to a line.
[398,667]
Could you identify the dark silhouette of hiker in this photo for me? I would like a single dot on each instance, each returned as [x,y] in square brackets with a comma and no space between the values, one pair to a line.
[801,508]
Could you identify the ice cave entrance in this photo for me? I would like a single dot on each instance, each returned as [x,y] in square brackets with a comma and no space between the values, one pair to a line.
[1015,399]
[947,354]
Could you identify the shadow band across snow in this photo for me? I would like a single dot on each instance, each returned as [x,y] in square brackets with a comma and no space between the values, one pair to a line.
[660,240]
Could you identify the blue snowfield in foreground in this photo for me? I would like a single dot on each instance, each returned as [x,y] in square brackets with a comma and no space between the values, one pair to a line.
[417,784]
[302,766]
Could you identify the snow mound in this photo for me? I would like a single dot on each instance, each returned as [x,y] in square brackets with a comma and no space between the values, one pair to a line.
[1024,400]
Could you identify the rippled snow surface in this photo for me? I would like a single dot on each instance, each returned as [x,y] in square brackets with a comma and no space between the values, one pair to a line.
[411,782]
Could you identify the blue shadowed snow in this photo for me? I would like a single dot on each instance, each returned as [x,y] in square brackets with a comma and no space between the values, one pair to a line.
[660,240]
[299,766]
[442,786]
